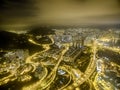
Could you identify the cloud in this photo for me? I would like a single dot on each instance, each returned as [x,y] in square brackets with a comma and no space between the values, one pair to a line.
[62,11]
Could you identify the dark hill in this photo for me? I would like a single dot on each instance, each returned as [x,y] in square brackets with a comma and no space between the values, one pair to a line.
[41,31]
[10,40]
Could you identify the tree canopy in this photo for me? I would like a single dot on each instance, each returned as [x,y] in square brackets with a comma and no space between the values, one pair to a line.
[41,31]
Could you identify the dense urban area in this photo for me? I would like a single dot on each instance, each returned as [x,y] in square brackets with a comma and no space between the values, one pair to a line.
[60,59]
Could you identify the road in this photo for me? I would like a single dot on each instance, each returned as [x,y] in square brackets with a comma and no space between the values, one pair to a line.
[84,76]
[77,76]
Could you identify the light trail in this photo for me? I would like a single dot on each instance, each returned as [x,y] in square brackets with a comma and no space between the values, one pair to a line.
[95,82]
[49,79]
[45,46]
[67,69]
[90,84]
[46,81]
[6,79]
[35,85]
[90,69]
[29,60]
[114,49]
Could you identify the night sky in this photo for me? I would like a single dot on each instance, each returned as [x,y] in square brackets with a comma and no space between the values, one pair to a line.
[59,12]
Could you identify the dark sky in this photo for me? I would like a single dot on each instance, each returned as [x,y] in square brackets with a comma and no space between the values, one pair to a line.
[59,12]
